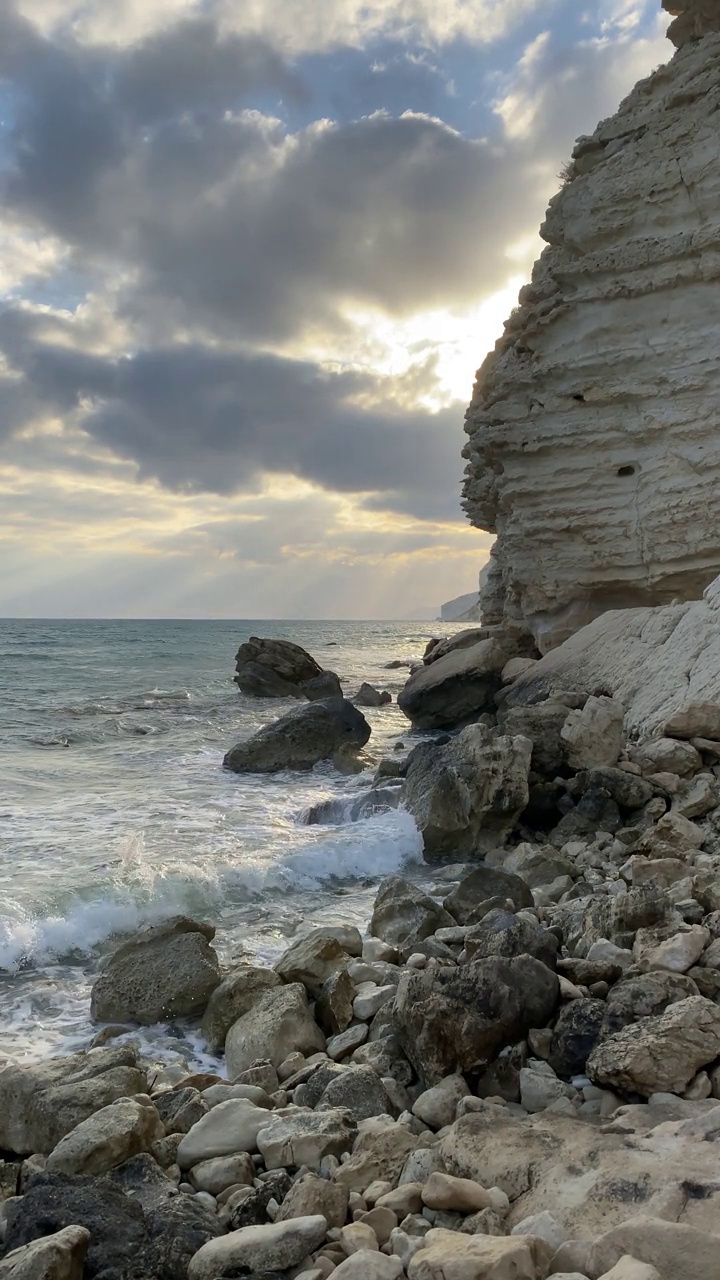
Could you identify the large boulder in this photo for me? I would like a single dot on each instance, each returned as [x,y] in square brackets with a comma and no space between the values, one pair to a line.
[305,1138]
[167,971]
[500,933]
[270,668]
[301,738]
[133,1236]
[108,1138]
[279,1024]
[543,725]
[449,1255]
[260,1250]
[456,1020]
[456,687]
[312,960]
[60,1256]
[236,995]
[661,1054]
[467,795]
[402,910]
[39,1104]
[482,884]
[644,995]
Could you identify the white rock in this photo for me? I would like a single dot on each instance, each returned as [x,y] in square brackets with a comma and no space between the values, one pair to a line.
[543,1225]
[679,953]
[366,1005]
[630,1269]
[357,1237]
[593,735]
[540,1089]
[304,1138]
[217,1174]
[369,1266]
[108,1138]
[228,1129]
[273,1247]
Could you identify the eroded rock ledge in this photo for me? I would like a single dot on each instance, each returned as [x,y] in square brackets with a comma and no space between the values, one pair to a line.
[594,450]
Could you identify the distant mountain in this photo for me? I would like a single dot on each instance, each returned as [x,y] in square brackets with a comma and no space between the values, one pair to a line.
[457,610]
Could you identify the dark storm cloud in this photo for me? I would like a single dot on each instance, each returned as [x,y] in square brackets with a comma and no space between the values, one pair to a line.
[198,419]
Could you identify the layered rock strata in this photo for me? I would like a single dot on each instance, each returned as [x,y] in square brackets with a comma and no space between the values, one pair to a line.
[594,450]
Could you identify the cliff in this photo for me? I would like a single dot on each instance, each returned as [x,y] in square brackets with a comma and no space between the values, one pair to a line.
[594,449]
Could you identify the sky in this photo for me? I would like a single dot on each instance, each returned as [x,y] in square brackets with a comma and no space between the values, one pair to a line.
[252,253]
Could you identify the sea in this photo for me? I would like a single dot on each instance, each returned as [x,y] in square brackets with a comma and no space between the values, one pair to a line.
[115,811]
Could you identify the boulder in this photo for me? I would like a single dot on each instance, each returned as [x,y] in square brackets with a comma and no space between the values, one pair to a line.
[219,1172]
[270,668]
[538,867]
[668,755]
[311,1195]
[280,1023]
[673,1248]
[456,687]
[235,996]
[359,1091]
[60,1256]
[379,1153]
[107,1138]
[402,910]
[695,720]
[180,1109]
[334,1004]
[301,738]
[311,960]
[660,1054]
[39,1104]
[368,1265]
[467,795]
[276,1246]
[166,971]
[230,1128]
[500,933]
[131,1236]
[368,696]
[326,685]
[593,734]
[482,884]
[449,1255]
[456,1020]
[643,996]
[542,724]
[575,1035]
[436,1107]
[305,1138]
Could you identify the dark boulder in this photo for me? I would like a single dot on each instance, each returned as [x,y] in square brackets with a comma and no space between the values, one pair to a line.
[455,689]
[500,933]
[576,1033]
[483,883]
[368,696]
[402,910]
[268,668]
[301,738]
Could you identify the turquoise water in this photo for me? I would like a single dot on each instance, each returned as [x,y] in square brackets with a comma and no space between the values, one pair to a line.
[115,810]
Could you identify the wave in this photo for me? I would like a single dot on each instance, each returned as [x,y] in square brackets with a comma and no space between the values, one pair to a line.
[139,894]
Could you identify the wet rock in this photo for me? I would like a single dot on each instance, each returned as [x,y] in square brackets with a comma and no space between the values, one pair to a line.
[235,996]
[301,738]
[278,1024]
[166,971]
[467,795]
[368,696]
[39,1104]
[456,1020]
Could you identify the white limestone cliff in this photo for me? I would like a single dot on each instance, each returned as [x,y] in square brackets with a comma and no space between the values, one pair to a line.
[594,430]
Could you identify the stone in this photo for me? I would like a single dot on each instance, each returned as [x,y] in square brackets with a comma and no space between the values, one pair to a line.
[542,724]
[107,1138]
[140,1231]
[644,996]
[401,909]
[500,933]
[312,1195]
[368,1003]
[367,1265]
[544,1226]
[457,1020]
[41,1103]
[236,995]
[301,738]
[448,1255]
[479,885]
[382,1221]
[467,794]
[575,1035]
[630,1269]
[304,1138]
[218,1093]
[456,687]
[368,696]
[539,1089]
[270,668]
[461,1195]
[695,720]
[220,1172]
[660,1054]
[334,1004]
[593,734]
[672,1248]
[342,1045]
[436,1107]
[378,1153]
[311,960]
[228,1130]
[166,971]
[60,1256]
[359,1091]
[276,1246]
[280,1022]
[251,1206]
[180,1109]
[669,755]
[537,867]
[357,1236]
[678,953]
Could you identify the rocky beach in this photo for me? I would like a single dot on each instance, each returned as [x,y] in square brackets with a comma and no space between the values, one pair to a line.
[510,1071]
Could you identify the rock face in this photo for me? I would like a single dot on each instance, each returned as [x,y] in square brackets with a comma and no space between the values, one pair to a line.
[280,669]
[661,663]
[301,738]
[467,795]
[593,447]
[167,971]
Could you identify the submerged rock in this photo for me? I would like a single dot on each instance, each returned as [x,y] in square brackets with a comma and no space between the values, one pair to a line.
[302,738]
